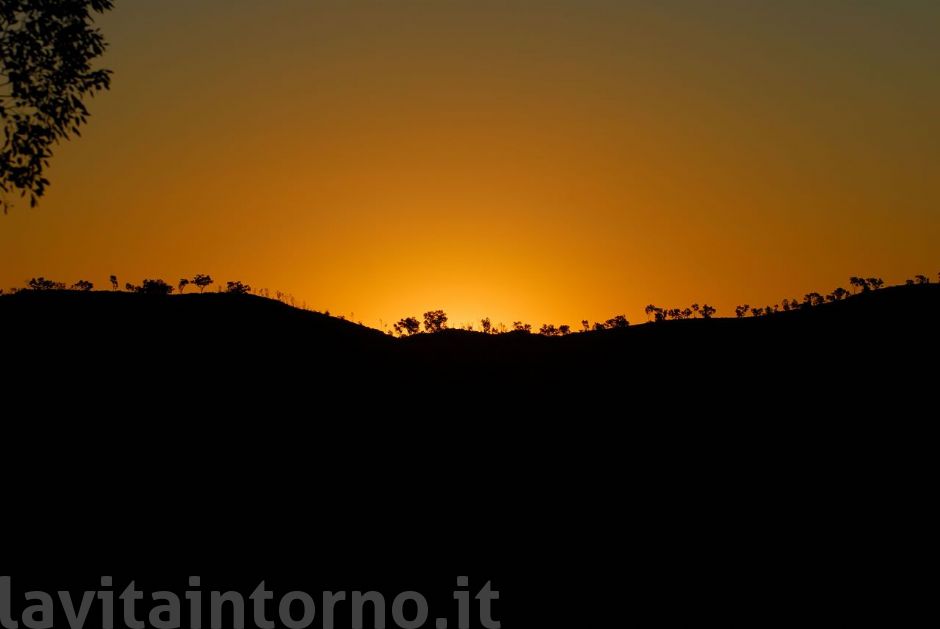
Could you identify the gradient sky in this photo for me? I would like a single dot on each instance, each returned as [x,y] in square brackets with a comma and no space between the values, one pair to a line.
[545,161]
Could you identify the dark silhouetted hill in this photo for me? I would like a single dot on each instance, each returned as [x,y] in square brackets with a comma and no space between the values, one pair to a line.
[231,347]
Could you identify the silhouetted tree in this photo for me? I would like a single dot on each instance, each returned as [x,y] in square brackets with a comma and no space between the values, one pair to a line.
[618,322]
[83,285]
[598,327]
[435,321]
[486,325]
[46,52]
[181,287]
[838,294]
[131,288]
[202,281]
[875,282]
[564,330]
[585,325]
[649,310]
[407,327]
[707,311]
[921,279]
[42,284]
[858,283]
[519,326]
[155,287]
[741,311]
[813,299]
[674,313]
[237,288]
[114,282]
[548,329]
[757,312]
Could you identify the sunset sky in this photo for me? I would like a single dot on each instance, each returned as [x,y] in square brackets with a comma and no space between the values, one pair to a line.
[544,161]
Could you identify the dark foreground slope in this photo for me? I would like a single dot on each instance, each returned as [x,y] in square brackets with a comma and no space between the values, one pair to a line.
[228,347]
[732,469]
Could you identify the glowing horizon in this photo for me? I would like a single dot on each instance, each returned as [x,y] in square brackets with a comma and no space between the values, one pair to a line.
[545,162]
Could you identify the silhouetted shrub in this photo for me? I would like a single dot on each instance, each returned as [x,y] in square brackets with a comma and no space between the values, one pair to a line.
[83,285]
[548,329]
[741,311]
[707,311]
[519,326]
[486,325]
[183,283]
[564,330]
[921,279]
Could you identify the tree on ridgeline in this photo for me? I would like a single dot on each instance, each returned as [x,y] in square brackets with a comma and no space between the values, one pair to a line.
[83,286]
[202,281]
[875,282]
[114,282]
[585,325]
[435,321]
[47,51]
[237,288]
[859,284]
[813,299]
[519,326]
[837,295]
[921,279]
[42,284]
[599,327]
[548,329]
[408,326]
[707,311]
[181,287]
[486,325]
[155,287]
[618,322]
[741,311]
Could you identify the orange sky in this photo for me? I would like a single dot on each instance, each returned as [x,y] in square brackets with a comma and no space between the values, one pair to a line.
[545,161]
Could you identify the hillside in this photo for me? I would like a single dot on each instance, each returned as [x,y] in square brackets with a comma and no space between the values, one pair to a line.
[253,344]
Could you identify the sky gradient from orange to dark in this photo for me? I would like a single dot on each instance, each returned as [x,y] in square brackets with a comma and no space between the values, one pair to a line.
[544,161]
